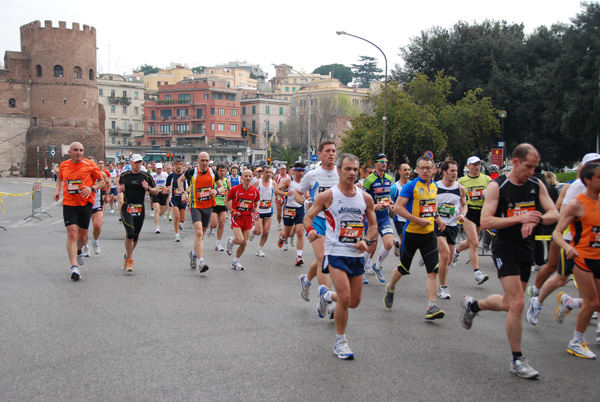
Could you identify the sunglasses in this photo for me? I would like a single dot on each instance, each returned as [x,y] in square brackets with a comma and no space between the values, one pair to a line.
[382,161]
[299,169]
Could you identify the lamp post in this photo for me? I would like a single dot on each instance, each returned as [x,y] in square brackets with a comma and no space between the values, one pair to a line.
[384,84]
[503,115]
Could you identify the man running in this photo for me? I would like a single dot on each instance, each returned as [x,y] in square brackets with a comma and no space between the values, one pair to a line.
[202,199]
[177,205]
[159,201]
[512,206]
[265,186]
[242,201]
[451,207]
[293,212]
[76,181]
[395,190]
[417,204]
[97,212]
[475,183]
[317,181]
[345,207]
[219,213]
[112,195]
[279,177]
[234,178]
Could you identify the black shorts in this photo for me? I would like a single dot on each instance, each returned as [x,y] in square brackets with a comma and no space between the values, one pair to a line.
[474,215]
[449,233]
[399,225]
[218,209]
[565,265]
[160,198]
[100,209]
[507,267]
[177,203]
[588,265]
[426,244]
[78,215]
[293,216]
[201,215]
[132,223]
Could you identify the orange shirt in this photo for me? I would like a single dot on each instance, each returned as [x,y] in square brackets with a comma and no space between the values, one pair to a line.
[77,176]
[586,231]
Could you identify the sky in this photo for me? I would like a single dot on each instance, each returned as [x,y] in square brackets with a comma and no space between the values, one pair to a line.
[130,33]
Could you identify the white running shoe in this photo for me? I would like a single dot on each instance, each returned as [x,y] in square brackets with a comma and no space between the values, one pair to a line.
[229,245]
[322,304]
[157,230]
[177,238]
[397,247]
[342,351]
[96,246]
[80,259]
[85,250]
[522,368]
[112,211]
[285,246]
[218,247]
[580,349]
[75,274]
[209,232]
[251,237]
[260,253]
[237,266]
[369,270]
[443,292]
[455,259]
[293,240]
[192,259]
[533,313]
[561,310]
[305,292]
[279,227]
[480,277]
[180,226]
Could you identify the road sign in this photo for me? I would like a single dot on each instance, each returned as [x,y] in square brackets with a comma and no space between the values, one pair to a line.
[117,153]
[51,151]
[429,154]
[314,158]
[497,157]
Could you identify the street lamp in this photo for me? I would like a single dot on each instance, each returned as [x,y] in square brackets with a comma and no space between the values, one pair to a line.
[384,84]
[503,115]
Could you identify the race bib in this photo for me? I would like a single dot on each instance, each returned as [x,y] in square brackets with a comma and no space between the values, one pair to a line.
[203,194]
[264,204]
[245,205]
[351,231]
[177,192]
[476,193]
[321,189]
[385,202]
[596,236]
[446,210]
[290,213]
[520,208]
[427,208]
[134,209]
[73,186]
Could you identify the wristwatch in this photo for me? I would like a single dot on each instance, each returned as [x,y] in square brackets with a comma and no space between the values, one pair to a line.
[369,242]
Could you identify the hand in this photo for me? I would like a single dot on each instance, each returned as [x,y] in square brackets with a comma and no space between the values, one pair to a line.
[422,222]
[527,229]
[378,207]
[145,184]
[441,224]
[531,217]
[120,188]
[184,197]
[571,252]
[213,192]
[312,236]
[235,213]
[85,192]
[56,196]
[256,216]
[460,218]
[361,246]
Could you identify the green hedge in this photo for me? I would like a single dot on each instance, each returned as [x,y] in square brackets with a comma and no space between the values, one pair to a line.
[565,177]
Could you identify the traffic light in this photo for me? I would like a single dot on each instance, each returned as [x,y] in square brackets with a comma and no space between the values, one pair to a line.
[269,161]
[244,132]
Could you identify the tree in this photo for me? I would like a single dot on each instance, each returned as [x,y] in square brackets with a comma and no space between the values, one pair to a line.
[288,154]
[146,69]
[339,71]
[366,72]
[198,70]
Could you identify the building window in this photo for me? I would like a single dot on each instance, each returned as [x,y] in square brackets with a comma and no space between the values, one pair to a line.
[281,110]
[85,102]
[136,110]
[153,142]
[184,97]
[293,89]
[253,126]
[183,128]
[167,97]
[43,101]
[212,111]
[58,71]
[206,95]
[212,126]
[165,128]
[113,125]
[243,110]
[136,95]
[112,109]
[280,126]
[64,101]
[91,74]
[112,93]
[268,109]
[38,70]
[221,127]
[234,112]
[254,139]
[100,92]
[77,73]
[182,112]
[221,111]
[124,109]
[12,102]
[113,140]
[167,143]
[253,109]
[199,113]
[294,80]
[234,127]
[124,94]
[152,129]
[136,125]
[125,126]
[287,89]
[153,115]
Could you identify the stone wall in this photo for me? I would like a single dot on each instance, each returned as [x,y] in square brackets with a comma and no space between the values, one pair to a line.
[13,131]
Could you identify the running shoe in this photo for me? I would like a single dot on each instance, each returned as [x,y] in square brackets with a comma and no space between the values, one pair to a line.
[561,310]
[322,304]
[434,312]
[455,259]
[378,273]
[365,280]
[170,218]
[157,230]
[368,270]
[251,237]
[260,253]
[533,313]
[342,350]
[209,232]
[180,226]
[580,349]
[192,259]
[165,216]
[280,241]
[285,246]
[443,292]
[112,211]
[177,238]
[80,258]
[237,266]
[521,368]
[331,310]
[299,261]
[388,298]
[466,317]
[85,250]
[293,241]
[595,315]
[480,277]
[305,292]
[202,267]
[229,245]
[152,213]
[96,246]
[218,247]
[129,265]
[530,292]
[75,274]
[598,335]
[397,247]
[279,227]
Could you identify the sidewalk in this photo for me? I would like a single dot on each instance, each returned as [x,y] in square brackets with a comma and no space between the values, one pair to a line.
[17,202]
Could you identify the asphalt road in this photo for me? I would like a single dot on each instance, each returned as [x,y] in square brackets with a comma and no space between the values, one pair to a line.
[166,332]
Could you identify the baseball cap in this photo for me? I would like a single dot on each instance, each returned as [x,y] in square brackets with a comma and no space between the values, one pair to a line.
[473,159]
[590,157]
[379,155]
[159,166]
[136,158]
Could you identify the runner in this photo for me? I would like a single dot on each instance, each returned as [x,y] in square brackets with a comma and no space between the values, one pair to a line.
[202,195]
[417,204]
[219,213]
[177,205]
[112,195]
[378,185]
[395,190]
[293,212]
[282,175]
[242,201]
[234,178]
[475,183]
[512,206]
[317,181]
[265,186]
[345,207]
[133,185]
[76,178]
[257,173]
[159,201]
[97,211]
[169,212]
[451,207]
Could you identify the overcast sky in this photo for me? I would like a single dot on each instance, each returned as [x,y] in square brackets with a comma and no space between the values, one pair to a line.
[301,34]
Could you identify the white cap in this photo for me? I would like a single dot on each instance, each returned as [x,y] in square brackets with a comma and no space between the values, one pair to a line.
[590,157]
[136,158]
[159,166]
[473,159]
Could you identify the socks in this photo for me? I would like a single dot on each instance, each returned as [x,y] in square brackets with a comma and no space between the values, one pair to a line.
[236,260]
[299,253]
[516,355]
[306,281]
[573,302]
[431,303]
[327,296]
[474,307]
[341,338]
[537,304]
[577,337]
[381,256]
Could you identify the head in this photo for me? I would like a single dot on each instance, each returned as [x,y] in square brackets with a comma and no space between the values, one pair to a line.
[449,170]
[327,153]
[551,179]
[404,171]
[234,170]
[203,161]
[246,177]
[474,166]
[168,168]
[100,164]
[111,166]
[381,163]
[291,170]
[425,168]
[282,169]
[159,168]
[136,163]
[221,170]
[368,169]
[298,170]
[91,158]
[178,164]
[590,176]
[348,166]
[267,172]
[525,159]
[76,151]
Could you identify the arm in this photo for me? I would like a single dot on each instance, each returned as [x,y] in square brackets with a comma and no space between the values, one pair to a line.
[571,211]
[561,196]
[463,203]
[184,194]
[279,191]
[551,214]
[372,221]
[400,208]
[322,201]
[59,185]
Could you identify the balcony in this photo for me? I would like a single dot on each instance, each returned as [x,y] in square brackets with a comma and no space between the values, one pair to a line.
[123,100]
[174,102]
[119,131]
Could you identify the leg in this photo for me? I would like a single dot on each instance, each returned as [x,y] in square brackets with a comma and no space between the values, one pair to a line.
[348,292]
[176,219]
[315,267]
[97,219]
[550,267]
[555,282]
[72,243]
[588,290]
[156,208]
[222,216]
[266,225]
[472,232]
[445,255]
[198,239]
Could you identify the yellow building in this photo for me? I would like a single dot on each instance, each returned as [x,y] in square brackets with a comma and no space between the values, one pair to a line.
[237,78]
[168,76]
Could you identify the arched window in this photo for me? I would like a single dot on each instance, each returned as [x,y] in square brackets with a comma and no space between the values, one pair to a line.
[77,73]
[58,71]
[38,70]
[91,74]
[12,102]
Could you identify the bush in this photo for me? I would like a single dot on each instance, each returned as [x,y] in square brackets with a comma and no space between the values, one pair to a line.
[566,177]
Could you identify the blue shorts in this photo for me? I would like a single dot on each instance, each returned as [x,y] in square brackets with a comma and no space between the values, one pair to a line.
[267,215]
[353,266]
[295,216]
[177,203]
[319,225]
[113,191]
[384,226]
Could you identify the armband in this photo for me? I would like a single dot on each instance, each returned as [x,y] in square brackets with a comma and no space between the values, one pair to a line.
[309,229]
